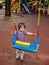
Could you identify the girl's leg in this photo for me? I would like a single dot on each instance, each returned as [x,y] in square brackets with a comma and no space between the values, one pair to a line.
[17,53]
[21,55]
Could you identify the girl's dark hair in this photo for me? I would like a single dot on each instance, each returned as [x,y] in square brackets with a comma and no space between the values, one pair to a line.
[21,24]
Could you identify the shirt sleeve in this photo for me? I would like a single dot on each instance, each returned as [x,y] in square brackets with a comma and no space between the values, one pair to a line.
[25,32]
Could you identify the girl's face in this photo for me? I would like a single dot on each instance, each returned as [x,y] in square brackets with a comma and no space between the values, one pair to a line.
[22,28]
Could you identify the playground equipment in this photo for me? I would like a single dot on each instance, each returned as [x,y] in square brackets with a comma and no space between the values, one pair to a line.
[27,9]
[27,46]
[15,5]
[35,5]
[42,4]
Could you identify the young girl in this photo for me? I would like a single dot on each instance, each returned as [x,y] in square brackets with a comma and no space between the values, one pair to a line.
[21,36]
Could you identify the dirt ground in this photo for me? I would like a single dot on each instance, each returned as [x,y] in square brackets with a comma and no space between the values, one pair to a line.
[7,53]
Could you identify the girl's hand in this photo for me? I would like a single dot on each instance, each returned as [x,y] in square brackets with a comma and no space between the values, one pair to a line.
[37,34]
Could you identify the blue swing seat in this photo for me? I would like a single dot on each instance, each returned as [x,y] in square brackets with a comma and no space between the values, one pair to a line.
[34,46]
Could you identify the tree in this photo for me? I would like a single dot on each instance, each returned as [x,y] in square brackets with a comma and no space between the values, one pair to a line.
[7,7]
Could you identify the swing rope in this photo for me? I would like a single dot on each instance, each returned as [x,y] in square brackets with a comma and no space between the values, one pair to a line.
[14,24]
[38,23]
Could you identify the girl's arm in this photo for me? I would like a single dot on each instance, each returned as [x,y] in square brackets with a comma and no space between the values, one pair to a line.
[30,33]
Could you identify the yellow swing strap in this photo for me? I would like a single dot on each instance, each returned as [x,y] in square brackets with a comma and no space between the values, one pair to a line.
[38,23]
[38,17]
